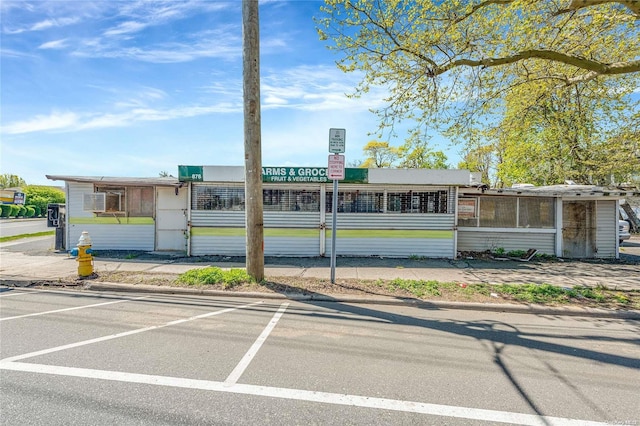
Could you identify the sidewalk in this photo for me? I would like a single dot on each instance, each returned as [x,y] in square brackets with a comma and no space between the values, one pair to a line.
[21,267]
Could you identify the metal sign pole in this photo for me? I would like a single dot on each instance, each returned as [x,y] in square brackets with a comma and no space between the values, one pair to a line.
[334,219]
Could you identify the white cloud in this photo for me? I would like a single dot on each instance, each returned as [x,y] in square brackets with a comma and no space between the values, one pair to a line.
[55,44]
[44,25]
[126,28]
[39,123]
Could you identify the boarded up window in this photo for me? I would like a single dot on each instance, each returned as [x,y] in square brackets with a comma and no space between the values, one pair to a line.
[536,213]
[140,201]
[498,212]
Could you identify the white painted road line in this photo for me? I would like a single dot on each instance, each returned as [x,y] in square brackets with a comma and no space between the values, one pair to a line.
[253,350]
[75,308]
[493,416]
[123,334]
[9,293]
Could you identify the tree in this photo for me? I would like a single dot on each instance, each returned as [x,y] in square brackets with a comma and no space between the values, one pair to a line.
[472,68]
[417,154]
[41,196]
[11,181]
[378,155]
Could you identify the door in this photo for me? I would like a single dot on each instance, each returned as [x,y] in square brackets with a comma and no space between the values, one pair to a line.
[171,219]
[578,229]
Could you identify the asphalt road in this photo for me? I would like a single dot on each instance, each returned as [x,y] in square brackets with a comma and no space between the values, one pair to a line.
[12,227]
[74,357]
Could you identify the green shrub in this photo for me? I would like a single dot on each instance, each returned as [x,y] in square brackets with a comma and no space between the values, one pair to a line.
[41,196]
[214,275]
[31,211]
[22,212]
[14,210]
[5,210]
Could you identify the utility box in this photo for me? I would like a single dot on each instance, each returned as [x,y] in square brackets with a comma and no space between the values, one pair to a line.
[56,219]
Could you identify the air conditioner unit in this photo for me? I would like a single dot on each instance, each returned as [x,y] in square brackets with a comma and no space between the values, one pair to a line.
[94,202]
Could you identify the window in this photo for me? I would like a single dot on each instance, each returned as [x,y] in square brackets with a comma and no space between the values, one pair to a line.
[417,202]
[357,202]
[508,212]
[291,200]
[218,198]
[131,201]
[536,213]
[498,212]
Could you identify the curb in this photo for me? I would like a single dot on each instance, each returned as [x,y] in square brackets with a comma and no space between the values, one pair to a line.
[300,297]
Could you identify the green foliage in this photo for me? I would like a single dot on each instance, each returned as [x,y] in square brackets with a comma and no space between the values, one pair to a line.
[378,155]
[418,288]
[215,275]
[22,211]
[41,196]
[11,181]
[5,210]
[31,211]
[536,91]
[15,210]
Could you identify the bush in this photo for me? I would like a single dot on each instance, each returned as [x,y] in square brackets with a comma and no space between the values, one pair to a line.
[41,196]
[5,210]
[215,275]
[31,211]
[22,211]
[14,210]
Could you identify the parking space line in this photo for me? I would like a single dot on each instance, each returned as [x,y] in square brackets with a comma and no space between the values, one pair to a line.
[123,334]
[253,350]
[75,308]
[493,416]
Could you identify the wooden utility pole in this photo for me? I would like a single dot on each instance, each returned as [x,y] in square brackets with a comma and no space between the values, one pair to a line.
[252,141]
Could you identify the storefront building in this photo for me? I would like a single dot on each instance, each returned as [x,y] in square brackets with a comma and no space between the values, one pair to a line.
[381,212]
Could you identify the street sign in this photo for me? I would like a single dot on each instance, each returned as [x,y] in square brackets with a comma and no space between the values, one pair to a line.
[335,171]
[337,140]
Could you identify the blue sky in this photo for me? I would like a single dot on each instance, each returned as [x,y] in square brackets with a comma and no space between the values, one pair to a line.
[133,88]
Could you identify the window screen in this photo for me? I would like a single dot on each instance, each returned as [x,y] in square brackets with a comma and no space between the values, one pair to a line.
[536,213]
[417,202]
[498,212]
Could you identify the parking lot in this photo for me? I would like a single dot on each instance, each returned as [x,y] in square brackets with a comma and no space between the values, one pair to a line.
[72,357]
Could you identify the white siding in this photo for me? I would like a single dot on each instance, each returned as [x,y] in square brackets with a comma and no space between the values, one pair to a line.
[606,224]
[103,236]
[478,239]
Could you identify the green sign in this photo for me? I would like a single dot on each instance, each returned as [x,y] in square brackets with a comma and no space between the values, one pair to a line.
[190,173]
[283,174]
[310,175]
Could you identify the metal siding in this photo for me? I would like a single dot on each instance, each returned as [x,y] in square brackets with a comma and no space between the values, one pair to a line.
[394,221]
[223,219]
[115,237]
[225,246]
[606,224]
[392,247]
[75,199]
[491,240]
[297,247]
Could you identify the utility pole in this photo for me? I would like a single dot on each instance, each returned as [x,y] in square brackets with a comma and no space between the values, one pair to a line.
[252,141]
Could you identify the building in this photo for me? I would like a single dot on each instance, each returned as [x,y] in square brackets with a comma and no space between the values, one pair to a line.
[380,212]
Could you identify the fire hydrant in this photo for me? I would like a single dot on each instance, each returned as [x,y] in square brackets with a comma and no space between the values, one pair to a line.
[83,253]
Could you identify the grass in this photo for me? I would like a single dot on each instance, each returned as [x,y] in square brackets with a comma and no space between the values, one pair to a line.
[215,275]
[526,293]
[18,237]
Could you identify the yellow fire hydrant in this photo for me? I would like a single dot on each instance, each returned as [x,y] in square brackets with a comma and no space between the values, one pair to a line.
[84,257]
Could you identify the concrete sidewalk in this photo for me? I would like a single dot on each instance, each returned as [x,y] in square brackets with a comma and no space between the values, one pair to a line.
[17,266]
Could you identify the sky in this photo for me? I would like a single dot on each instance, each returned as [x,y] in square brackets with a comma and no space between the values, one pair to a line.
[136,88]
